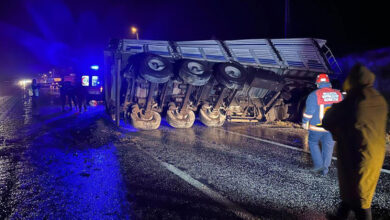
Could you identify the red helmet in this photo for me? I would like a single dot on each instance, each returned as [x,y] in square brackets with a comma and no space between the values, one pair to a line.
[322,78]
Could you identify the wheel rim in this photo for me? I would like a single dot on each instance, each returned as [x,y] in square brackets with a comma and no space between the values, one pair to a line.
[156,64]
[195,68]
[233,72]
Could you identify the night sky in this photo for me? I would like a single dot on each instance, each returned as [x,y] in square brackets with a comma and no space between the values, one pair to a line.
[37,35]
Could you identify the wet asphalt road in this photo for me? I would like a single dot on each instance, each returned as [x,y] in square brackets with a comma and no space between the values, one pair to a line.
[79,166]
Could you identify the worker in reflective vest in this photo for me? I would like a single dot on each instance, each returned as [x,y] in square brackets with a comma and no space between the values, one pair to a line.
[317,103]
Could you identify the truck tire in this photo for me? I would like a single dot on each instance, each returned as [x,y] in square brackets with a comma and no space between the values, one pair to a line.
[154,68]
[143,124]
[194,72]
[231,75]
[177,121]
[211,119]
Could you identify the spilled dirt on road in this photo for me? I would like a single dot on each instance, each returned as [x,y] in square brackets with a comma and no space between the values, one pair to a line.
[281,132]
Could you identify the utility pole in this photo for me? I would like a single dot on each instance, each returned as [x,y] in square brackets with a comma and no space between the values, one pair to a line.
[286,17]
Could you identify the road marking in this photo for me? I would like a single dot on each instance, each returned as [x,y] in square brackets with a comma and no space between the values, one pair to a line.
[385,171]
[236,209]
[281,145]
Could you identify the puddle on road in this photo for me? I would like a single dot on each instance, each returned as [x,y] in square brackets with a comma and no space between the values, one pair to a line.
[57,161]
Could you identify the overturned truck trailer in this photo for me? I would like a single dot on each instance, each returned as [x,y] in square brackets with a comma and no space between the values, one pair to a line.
[237,80]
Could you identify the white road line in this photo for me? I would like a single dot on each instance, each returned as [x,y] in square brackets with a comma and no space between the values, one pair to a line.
[236,209]
[385,171]
[281,145]
[263,140]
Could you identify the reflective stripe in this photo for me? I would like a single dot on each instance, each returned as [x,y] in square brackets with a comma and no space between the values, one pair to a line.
[315,128]
[307,116]
[321,112]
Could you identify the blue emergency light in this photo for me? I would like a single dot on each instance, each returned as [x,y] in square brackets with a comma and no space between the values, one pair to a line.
[95,67]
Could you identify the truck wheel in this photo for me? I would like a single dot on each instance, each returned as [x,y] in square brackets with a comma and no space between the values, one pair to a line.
[194,72]
[231,75]
[211,118]
[154,68]
[177,120]
[146,124]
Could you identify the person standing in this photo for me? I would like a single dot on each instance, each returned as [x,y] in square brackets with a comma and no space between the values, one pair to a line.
[81,95]
[35,94]
[63,94]
[358,124]
[70,93]
[317,103]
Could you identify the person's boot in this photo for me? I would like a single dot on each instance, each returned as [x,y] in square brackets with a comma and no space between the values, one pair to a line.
[317,169]
[363,214]
[343,211]
[325,171]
